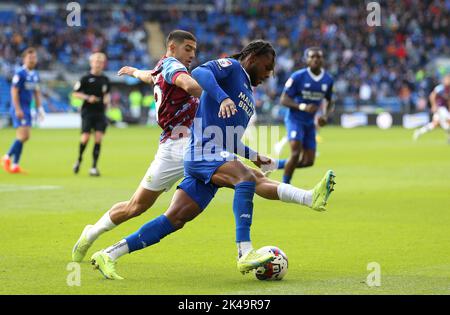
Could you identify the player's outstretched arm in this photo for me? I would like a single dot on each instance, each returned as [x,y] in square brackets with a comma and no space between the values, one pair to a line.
[37,100]
[206,79]
[187,83]
[143,75]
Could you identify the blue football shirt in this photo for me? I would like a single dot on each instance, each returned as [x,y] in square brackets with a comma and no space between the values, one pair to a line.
[305,87]
[213,134]
[27,81]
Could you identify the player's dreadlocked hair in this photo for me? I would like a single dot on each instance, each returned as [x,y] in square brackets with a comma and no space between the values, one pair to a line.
[257,48]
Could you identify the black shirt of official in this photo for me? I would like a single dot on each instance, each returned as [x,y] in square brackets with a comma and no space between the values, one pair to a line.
[97,85]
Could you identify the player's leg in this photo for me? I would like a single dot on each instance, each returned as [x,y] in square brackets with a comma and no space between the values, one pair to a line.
[278,147]
[23,130]
[15,150]
[163,173]
[23,134]
[236,174]
[426,128]
[309,147]
[308,157]
[120,212]
[291,164]
[182,209]
[86,127]
[96,153]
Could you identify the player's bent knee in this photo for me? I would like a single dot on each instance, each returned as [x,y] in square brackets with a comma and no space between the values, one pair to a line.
[246,175]
[178,221]
[258,174]
[295,155]
[305,163]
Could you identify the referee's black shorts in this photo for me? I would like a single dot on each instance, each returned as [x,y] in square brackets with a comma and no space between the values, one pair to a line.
[96,122]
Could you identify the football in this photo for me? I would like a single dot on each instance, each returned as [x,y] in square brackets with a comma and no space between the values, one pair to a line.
[274,270]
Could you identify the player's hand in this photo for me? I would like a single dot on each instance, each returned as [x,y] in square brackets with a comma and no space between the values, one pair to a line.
[227,108]
[126,71]
[262,160]
[92,99]
[311,108]
[322,121]
[19,114]
[41,113]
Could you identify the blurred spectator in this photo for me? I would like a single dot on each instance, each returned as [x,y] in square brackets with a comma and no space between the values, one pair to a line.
[135,99]
[383,64]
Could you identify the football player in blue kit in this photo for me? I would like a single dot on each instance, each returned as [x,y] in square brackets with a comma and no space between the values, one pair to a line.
[303,94]
[25,86]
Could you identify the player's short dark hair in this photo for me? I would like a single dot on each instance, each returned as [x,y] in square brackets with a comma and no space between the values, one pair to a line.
[179,36]
[29,50]
[313,48]
[257,48]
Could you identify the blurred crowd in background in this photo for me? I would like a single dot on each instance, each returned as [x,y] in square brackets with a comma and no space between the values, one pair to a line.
[393,66]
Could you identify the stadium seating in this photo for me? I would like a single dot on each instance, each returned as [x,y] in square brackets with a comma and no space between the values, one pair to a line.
[388,57]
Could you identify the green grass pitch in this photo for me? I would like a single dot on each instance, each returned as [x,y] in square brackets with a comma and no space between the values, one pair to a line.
[391,206]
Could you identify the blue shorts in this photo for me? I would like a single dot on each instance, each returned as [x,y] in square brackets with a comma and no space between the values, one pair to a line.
[302,132]
[198,172]
[200,192]
[26,121]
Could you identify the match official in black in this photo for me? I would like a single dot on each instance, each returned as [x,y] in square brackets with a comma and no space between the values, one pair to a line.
[94,89]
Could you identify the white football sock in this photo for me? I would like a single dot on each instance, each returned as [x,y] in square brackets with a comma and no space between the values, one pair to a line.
[117,250]
[291,194]
[244,248]
[102,225]
[428,127]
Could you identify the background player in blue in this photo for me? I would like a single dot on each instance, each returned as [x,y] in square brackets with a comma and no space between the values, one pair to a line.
[25,86]
[226,82]
[304,93]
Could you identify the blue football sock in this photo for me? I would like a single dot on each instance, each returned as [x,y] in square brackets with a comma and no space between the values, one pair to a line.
[287,179]
[150,233]
[243,209]
[281,164]
[16,150]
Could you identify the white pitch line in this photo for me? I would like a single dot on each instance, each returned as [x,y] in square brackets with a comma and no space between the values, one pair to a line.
[12,188]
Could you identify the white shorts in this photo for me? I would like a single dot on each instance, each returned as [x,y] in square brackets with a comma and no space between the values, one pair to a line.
[168,167]
[443,116]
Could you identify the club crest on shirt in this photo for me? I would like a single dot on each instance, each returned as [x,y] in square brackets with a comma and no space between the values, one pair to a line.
[224,62]
[324,87]
[289,83]
[15,79]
